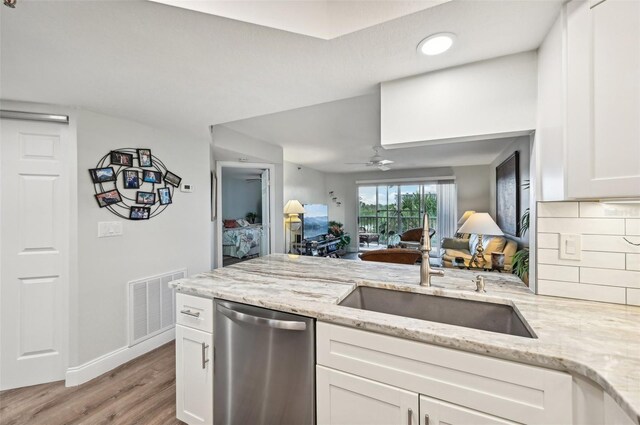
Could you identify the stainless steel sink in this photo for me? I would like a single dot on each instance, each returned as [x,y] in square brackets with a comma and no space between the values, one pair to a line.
[482,315]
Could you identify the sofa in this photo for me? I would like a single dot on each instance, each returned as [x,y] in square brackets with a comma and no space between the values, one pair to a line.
[455,248]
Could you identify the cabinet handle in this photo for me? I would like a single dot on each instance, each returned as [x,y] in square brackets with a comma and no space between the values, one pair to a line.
[426,419]
[410,417]
[204,361]
[190,313]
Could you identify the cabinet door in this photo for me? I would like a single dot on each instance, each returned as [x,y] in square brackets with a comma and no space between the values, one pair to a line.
[351,400]
[194,376]
[436,412]
[603,99]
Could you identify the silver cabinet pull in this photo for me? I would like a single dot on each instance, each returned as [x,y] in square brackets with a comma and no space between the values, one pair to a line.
[190,313]
[426,419]
[204,361]
[410,417]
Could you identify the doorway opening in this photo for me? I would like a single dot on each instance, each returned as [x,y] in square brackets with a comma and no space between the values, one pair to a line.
[244,211]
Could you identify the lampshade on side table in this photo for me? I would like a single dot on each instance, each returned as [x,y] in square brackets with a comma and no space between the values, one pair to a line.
[292,209]
[480,224]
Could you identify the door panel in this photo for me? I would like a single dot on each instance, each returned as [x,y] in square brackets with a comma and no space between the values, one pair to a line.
[194,375]
[266,219]
[34,225]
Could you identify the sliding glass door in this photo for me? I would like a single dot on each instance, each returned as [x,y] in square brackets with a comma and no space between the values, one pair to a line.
[387,209]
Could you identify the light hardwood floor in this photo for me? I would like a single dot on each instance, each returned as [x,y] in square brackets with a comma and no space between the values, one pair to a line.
[142,391]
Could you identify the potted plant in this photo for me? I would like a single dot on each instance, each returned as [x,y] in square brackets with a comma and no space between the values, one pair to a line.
[521,258]
[336,230]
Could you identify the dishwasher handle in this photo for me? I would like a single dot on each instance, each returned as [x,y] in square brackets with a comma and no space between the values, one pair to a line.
[288,325]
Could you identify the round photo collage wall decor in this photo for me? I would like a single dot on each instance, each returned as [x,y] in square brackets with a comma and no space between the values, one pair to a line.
[133,184]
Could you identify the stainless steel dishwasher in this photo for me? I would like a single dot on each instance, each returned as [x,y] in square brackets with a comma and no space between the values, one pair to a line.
[264,366]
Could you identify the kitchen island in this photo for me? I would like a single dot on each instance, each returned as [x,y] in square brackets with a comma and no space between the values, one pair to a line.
[596,341]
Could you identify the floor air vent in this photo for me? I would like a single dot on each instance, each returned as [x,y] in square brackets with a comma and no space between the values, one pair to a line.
[151,306]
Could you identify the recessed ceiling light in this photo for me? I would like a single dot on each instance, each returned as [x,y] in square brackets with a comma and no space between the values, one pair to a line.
[436,43]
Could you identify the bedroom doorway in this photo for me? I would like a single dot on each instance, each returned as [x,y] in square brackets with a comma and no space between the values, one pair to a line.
[244,210]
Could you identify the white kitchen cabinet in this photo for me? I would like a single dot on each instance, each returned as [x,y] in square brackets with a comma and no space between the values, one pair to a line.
[194,359]
[437,412]
[345,399]
[603,99]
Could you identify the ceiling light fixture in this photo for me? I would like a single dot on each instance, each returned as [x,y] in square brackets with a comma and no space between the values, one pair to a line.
[436,44]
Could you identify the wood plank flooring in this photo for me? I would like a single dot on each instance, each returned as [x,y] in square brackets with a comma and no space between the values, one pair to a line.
[142,391]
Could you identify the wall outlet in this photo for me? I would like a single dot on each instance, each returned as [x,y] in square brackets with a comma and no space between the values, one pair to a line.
[186,187]
[570,246]
[107,229]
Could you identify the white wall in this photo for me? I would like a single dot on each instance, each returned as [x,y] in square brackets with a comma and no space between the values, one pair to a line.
[550,143]
[523,146]
[305,184]
[472,189]
[492,97]
[240,197]
[177,238]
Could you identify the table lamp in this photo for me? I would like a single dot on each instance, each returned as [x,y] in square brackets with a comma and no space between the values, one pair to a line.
[462,220]
[292,209]
[480,224]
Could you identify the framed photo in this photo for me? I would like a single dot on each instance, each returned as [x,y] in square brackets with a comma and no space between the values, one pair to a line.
[139,213]
[131,179]
[508,195]
[146,198]
[164,195]
[144,157]
[108,198]
[101,175]
[149,176]
[172,179]
[121,158]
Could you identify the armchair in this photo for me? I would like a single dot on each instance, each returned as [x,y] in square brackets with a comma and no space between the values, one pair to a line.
[455,248]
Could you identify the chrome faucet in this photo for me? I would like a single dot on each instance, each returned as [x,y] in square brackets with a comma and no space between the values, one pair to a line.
[425,268]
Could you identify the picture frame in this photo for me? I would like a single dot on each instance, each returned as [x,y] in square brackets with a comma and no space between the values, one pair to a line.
[145,198]
[173,179]
[149,176]
[139,213]
[131,179]
[508,195]
[107,198]
[121,158]
[102,175]
[144,157]
[164,196]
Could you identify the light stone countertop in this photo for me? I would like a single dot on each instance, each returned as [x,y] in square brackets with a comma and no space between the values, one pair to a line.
[596,340]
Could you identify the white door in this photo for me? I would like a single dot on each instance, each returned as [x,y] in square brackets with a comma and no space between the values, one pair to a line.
[266,219]
[345,399]
[34,227]
[437,412]
[194,376]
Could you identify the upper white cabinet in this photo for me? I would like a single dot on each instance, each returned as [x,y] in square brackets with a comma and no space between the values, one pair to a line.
[603,99]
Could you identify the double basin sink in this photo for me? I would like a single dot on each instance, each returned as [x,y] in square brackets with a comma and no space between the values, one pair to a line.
[483,315]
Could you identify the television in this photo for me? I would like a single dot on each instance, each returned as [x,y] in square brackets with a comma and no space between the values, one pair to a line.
[315,221]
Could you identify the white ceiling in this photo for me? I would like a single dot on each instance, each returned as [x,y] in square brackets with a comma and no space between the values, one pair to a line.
[185,70]
[324,19]
[328,136]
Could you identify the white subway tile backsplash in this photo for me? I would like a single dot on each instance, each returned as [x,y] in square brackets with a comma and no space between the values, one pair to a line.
[564,273]
[548,240]
[585,226]
[623,278]
[600,210]
[558,209]
[605,260]
[608,294]
[633,226]
[633,296]
[606,243]
[633,262]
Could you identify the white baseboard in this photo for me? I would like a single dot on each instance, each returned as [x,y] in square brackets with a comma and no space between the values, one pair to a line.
[80,374]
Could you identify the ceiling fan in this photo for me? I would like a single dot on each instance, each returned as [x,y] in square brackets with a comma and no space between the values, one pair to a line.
[375,161]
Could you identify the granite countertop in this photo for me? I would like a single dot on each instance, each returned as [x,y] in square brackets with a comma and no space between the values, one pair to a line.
[595,340]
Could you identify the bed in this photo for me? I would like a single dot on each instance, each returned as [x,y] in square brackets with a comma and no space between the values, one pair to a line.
[240,242]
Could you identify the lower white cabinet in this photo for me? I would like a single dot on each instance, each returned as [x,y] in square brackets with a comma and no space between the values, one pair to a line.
[345,399]
[194,376]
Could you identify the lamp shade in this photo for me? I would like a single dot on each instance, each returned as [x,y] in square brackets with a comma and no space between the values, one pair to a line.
[465,217]
[293,207]
[481,224]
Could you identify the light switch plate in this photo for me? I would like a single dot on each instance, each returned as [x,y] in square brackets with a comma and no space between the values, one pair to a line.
[570,246]
[107,229]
